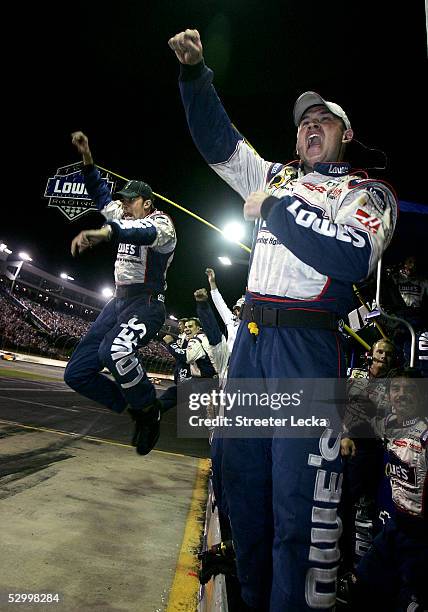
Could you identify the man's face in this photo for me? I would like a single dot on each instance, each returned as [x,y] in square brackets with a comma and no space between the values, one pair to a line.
[404,397]
[319,136]
[181,325]
[383,354]
[191,328]
[133,208]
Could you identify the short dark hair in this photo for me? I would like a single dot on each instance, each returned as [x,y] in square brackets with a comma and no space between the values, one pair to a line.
[405,372]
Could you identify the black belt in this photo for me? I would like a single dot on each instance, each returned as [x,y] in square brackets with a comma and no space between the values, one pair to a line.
[278,317]
[126,291]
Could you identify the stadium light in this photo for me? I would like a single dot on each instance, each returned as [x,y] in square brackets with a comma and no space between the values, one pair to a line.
[225,261]
[4,249]
[65,276]
[234,231]
[173,317]
[24,257]
[107,292]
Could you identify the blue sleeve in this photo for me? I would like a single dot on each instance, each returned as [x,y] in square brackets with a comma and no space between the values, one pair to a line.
[96,187]
[333,249]
[209,124]
[209,322]
[177,352]
[136,231]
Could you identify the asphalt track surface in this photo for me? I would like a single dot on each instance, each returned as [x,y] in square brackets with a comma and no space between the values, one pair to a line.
[34,395]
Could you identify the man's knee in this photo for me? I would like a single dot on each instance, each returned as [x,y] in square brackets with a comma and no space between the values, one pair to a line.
[72,377]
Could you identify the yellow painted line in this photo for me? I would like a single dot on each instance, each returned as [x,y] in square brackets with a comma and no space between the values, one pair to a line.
[84,437]
[184,591]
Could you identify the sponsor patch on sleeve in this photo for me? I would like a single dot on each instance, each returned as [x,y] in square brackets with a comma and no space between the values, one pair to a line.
[274,169]
[370,222]
[377,199]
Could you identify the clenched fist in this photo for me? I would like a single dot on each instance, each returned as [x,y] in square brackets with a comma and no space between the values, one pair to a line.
[187,46]
[347,447]
[211,278]
[89,238]
[201,295]
[80,141]
[253,205]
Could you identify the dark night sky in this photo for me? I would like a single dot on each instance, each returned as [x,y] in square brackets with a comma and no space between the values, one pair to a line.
[105,68]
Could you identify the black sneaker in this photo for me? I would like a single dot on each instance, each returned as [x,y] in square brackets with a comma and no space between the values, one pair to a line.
[147,428]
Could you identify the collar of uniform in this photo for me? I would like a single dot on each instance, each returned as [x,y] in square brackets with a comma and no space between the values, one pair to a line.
[332,168]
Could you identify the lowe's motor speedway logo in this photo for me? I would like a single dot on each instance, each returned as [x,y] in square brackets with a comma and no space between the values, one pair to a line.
[66,191]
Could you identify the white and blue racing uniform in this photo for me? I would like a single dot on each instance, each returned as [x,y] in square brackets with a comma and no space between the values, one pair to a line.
[134,315]
[320,232]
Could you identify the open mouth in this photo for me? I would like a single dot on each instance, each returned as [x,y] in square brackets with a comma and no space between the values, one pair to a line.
[314,140]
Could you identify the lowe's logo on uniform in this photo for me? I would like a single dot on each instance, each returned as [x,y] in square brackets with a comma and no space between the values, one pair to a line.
[310,219]
[66,191]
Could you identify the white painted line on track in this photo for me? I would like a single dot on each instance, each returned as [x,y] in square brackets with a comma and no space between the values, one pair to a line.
[91,409]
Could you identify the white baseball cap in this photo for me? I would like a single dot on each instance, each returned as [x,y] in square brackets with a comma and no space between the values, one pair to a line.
[310,98]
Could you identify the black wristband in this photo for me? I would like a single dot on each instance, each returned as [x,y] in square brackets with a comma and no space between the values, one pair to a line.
[267,206]
[191,73]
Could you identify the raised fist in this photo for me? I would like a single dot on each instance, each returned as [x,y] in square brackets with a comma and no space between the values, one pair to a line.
[187,46]
[211,274]
[80,141]
[201,295]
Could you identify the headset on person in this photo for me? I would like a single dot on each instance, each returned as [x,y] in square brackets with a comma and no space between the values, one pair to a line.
[395,361]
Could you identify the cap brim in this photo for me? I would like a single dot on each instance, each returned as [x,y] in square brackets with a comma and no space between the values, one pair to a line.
[127,194]
[305,101]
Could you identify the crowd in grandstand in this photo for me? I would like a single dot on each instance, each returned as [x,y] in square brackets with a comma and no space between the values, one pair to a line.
[58,323]
[18,331]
